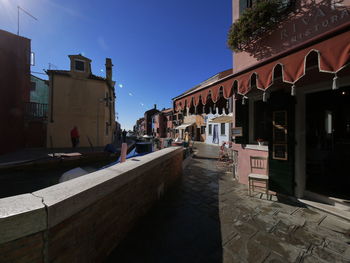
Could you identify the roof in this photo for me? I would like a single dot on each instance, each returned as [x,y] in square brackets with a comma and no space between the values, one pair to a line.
[167,110]
[67,73]
[151,110]
[33,76]
[207,82]
[79,56]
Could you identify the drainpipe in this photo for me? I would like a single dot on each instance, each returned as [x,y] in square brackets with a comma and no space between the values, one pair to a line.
[52,81]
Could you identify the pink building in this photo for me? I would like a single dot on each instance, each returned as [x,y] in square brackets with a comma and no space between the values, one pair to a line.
[162,124]
[290,86]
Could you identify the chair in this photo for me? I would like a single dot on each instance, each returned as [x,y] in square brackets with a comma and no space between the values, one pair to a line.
[225,157]
[258,163]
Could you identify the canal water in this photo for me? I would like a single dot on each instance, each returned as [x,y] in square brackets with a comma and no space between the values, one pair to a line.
[21,182]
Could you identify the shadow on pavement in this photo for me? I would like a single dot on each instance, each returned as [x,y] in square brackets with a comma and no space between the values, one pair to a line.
[183,227]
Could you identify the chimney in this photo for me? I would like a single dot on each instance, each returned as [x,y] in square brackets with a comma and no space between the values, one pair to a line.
[109,66]
[155,106]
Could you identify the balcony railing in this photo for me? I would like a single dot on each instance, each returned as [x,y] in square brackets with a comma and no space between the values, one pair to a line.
[35,111]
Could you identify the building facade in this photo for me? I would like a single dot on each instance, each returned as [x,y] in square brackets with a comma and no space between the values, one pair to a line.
[15,52]
[149,121]
[218,128]
[291,93]
[36,113]
[162,124]
[139,127]
[169,115]
[194,111]
[79,98]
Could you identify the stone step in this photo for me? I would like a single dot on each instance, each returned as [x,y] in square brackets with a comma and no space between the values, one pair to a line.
[331,209]
[341,204]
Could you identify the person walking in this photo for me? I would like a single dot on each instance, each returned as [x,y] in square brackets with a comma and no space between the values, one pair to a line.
[124,135]
[74,135]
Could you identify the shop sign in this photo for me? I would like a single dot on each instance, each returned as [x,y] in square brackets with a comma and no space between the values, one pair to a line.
[237,132]
[316,21]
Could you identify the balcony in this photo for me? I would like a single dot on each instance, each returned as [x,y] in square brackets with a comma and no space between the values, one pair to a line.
[35,111]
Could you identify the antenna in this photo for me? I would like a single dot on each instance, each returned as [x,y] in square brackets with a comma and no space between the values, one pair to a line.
[24,11]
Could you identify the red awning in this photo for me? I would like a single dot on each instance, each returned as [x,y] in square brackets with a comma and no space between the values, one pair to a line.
[333,54]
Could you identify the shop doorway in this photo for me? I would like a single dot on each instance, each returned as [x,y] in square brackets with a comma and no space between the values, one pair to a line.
[328,143]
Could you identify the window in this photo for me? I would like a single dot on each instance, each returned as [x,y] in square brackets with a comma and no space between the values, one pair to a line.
[210,129]
[202,129]
[107,128]
[32,86]
[79,65]
[222,128]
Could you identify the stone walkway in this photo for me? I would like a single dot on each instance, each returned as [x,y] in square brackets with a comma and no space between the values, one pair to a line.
[208,217]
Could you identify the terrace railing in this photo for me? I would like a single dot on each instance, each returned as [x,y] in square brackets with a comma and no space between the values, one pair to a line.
[35,111]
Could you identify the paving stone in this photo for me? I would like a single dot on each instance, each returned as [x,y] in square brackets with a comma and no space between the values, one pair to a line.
[227,233]
[338,247]
[274,258]
[327,233]
[245,228]
[283,249]
[336,225]
[265,222]
[304,238]
[229,257]
[312,259]
[291,219]
[210,218]
[309,215]
[328,255]
[246,249]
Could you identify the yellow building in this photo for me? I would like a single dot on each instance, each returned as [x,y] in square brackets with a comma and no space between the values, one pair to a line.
[79,98]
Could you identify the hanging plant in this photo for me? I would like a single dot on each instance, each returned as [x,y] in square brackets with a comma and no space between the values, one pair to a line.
[255,21]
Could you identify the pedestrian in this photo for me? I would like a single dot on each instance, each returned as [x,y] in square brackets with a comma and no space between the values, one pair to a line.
[124,135]
[74,135]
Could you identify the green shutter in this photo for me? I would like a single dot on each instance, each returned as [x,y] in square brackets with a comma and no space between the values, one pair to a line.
[242,120]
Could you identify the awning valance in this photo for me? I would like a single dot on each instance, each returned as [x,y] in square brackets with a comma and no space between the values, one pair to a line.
[333,54]
[184,126]
[222,119]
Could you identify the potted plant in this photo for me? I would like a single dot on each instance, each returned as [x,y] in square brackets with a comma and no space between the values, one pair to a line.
[260,141]
[256,21]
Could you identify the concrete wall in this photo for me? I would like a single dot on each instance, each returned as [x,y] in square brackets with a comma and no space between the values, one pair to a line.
[77,102]
[311,18]
[82,220]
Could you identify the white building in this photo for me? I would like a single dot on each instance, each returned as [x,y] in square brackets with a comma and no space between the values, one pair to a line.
[218,128]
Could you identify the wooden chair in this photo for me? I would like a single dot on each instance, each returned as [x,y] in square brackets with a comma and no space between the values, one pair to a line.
[258,163]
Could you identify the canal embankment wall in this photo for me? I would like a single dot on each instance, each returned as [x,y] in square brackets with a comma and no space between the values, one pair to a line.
[83,219]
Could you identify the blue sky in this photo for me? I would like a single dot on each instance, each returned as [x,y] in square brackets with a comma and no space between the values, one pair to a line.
[159,48]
